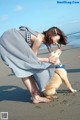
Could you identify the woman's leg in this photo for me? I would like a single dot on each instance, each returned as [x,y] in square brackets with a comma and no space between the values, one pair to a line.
[31,86]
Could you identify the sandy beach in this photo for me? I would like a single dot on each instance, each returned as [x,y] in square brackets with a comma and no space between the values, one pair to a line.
[15,100]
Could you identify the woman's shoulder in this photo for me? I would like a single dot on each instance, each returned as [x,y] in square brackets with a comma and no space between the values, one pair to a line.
[39,37]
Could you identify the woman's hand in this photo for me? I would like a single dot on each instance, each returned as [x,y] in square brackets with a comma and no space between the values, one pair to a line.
[53,59]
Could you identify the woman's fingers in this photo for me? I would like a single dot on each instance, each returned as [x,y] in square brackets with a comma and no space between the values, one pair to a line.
[53,59]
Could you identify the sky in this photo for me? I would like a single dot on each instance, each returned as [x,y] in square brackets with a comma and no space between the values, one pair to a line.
[40,15]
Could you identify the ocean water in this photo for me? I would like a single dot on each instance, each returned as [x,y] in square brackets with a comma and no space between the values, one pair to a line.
[72,39]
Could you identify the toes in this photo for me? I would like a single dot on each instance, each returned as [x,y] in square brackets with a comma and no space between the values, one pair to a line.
[41,100]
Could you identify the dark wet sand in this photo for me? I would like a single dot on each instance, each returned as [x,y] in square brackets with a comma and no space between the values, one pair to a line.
[15,100]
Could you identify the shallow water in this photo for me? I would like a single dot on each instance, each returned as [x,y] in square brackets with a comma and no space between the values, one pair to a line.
[74,39]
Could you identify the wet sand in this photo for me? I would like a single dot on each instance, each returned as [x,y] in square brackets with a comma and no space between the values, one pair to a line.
[15,100]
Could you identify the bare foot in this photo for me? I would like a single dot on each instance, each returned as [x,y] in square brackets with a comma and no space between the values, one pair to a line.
[37,99]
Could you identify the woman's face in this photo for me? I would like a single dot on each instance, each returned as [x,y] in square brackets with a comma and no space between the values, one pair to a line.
[55,39]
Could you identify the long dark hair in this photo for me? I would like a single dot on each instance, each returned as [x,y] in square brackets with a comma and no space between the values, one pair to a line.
[53,31]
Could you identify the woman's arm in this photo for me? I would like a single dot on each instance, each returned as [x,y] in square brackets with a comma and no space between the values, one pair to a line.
[36,44]
[43,59]
[51,59]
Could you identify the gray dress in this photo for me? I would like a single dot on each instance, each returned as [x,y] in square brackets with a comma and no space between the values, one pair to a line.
[16,52]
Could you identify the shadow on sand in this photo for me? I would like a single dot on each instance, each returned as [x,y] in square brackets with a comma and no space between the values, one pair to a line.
[14,93]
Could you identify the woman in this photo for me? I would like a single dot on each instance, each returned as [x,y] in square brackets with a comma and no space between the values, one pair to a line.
[19,48]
